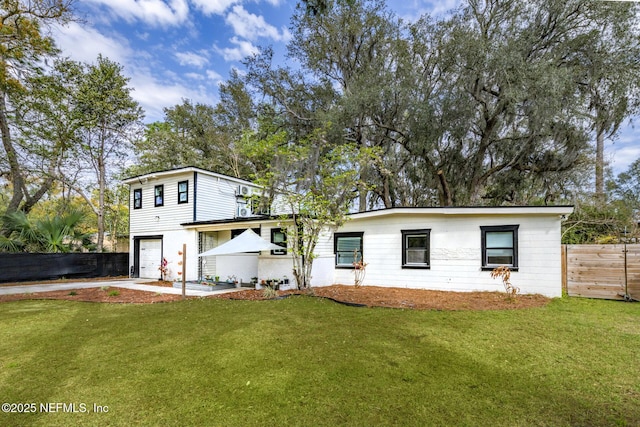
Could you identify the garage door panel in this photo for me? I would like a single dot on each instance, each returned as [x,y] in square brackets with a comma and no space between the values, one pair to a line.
[150,258]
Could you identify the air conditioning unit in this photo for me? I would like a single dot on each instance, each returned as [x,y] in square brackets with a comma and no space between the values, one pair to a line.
[244,211]
[244,191]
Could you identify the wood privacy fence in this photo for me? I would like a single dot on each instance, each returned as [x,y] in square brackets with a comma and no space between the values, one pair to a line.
[601,271]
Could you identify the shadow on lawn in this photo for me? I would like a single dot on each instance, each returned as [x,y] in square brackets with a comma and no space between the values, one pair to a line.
[55,365]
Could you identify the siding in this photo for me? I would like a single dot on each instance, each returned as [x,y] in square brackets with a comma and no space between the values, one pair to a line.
[210,197]
[456,253]
[216,198]
[152,220]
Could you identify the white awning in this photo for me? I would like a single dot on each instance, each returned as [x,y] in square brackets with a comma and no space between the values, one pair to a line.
[248,241]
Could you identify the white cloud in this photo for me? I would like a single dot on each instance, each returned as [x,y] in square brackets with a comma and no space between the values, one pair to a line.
[625,149]
[443,6]
[213,75]
[194,76]
[153,94]
[242,50]
[252,27]
[85,43]
[213,7]
[153,87]
[192,58]
[410,11]
[152,12]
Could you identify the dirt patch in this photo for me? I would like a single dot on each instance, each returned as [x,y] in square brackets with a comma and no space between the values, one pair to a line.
[418,299]
[371,296]
[44,282]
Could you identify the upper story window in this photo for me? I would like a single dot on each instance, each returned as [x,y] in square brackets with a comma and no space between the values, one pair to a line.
[278,237]
[348,249]
[415,248]
[158,194]
[137,198]
[499,246]
[183,192]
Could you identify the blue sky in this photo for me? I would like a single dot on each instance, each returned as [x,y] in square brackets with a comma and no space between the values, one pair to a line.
[182,49]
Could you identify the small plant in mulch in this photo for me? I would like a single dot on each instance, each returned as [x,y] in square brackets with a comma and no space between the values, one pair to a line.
[73,293]
[104,288]
[114,293]
[503,272]
[359,270]
[269,292]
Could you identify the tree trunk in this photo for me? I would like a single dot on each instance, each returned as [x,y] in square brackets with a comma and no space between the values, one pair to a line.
[102,178]
[446,199]
[600,164]
[12,157]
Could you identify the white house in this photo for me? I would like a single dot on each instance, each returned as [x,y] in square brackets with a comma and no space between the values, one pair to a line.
[430,248]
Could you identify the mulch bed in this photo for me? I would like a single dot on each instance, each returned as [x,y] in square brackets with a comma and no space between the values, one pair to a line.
[108,295]
[371,296]
[418,299]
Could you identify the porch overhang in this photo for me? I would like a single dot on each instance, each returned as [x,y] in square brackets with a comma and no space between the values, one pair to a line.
[233,223]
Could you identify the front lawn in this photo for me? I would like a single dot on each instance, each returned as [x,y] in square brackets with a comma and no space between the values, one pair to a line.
[305,361]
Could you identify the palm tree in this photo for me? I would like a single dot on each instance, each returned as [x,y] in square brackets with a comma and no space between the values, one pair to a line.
[49,235]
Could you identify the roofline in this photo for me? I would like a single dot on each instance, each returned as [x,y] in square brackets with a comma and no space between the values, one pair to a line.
[175,171]
[468,210]
[458,210]
[262,218]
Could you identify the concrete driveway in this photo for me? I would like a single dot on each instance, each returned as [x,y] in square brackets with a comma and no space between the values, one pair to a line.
[137,284]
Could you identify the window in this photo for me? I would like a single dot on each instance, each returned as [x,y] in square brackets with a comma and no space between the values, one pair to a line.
[348,249]
[415,248]
[137,198]
[183,192]
[499,246]
[278,237]
[159,195]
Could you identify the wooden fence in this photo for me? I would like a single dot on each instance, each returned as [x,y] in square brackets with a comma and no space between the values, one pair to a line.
[601,271]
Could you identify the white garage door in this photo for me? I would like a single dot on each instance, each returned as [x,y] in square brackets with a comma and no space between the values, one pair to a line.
[150,258]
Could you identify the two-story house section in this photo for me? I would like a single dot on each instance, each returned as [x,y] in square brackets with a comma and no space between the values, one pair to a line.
[161,201]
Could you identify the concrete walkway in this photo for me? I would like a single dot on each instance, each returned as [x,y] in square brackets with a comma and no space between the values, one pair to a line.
[137,284]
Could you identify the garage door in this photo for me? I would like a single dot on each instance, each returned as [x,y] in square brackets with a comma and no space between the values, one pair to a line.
[150,258]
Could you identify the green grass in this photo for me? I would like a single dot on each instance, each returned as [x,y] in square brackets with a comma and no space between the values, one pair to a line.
[305,361]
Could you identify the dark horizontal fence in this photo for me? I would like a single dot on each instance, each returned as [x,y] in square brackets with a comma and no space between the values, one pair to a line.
[23,267]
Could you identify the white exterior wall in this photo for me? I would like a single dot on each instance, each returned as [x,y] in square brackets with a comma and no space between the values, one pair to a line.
[165,221]
[216,197]
[455,239]
[172,246]
[153,220]
[281,266]
[455,253]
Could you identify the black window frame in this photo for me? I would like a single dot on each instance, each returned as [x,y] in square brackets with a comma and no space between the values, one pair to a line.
[416,232]
[337,236]
[155,195]
[499,229]
[185,192]
[279,252]
[137,197]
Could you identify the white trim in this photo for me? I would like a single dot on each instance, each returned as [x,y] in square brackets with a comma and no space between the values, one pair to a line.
[484,210]
[180,171]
